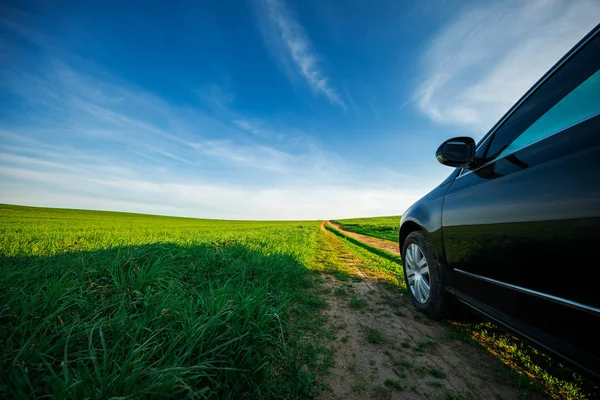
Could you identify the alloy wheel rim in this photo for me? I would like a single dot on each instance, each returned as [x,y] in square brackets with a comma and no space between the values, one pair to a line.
[417,273]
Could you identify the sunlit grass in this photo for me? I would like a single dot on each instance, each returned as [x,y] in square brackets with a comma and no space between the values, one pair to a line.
[529,368]
[380,227]
[378,263]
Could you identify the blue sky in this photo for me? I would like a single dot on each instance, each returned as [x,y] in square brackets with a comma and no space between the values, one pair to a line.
[266,109]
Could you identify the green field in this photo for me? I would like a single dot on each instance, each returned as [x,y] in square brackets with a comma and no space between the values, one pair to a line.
[97,304]
[100,305]
[380,227]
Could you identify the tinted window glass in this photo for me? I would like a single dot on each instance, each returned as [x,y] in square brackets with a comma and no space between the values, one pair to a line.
[579,105]
[545,112]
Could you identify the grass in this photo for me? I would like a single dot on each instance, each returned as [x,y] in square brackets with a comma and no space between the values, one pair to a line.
[333,253]
[97,304]
[402,364]
[341,291]
[425,344]
[394,384]
[359,388]
[461,396]
[372,249]
[421,346]
[435,384]
[385,267]
[379,227]
[436,373]
[101,304]
[399,372]
[373,336]
[526,367]
[357,303]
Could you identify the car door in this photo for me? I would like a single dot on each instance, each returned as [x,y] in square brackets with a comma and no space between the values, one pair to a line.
[521,231]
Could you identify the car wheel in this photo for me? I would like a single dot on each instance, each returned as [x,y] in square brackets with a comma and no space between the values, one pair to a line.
[424,276]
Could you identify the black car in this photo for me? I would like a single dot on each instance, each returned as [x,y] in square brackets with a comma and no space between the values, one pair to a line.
[512,232]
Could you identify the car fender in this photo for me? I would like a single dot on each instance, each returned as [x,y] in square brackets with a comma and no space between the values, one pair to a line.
[426,215]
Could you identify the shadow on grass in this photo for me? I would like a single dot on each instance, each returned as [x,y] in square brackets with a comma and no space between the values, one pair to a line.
[381,253]
[159,320]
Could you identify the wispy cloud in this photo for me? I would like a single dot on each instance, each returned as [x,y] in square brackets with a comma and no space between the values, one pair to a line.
[53,176]
[484,60]
[249,127]
[95,189]
[116,119]
[216,97]
[79,137]
[292,44]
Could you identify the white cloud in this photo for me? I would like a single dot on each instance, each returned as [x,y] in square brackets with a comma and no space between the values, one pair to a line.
[250,127]
[484,60]
[96,189]
[216,97]
[125,118]
[79,137]
[289,42]
[101,143]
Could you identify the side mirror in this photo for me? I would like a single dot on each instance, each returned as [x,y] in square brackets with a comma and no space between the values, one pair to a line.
[458,152]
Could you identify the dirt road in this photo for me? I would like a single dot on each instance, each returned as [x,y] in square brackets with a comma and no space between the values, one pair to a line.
[385,349]
[375,242]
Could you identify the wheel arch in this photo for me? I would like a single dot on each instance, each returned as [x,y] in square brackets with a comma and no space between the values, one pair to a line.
[406,229]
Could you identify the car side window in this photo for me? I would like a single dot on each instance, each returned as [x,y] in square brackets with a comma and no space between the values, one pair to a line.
[579,105]
[569,96]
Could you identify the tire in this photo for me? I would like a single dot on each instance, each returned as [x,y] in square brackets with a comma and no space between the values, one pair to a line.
[437,303]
